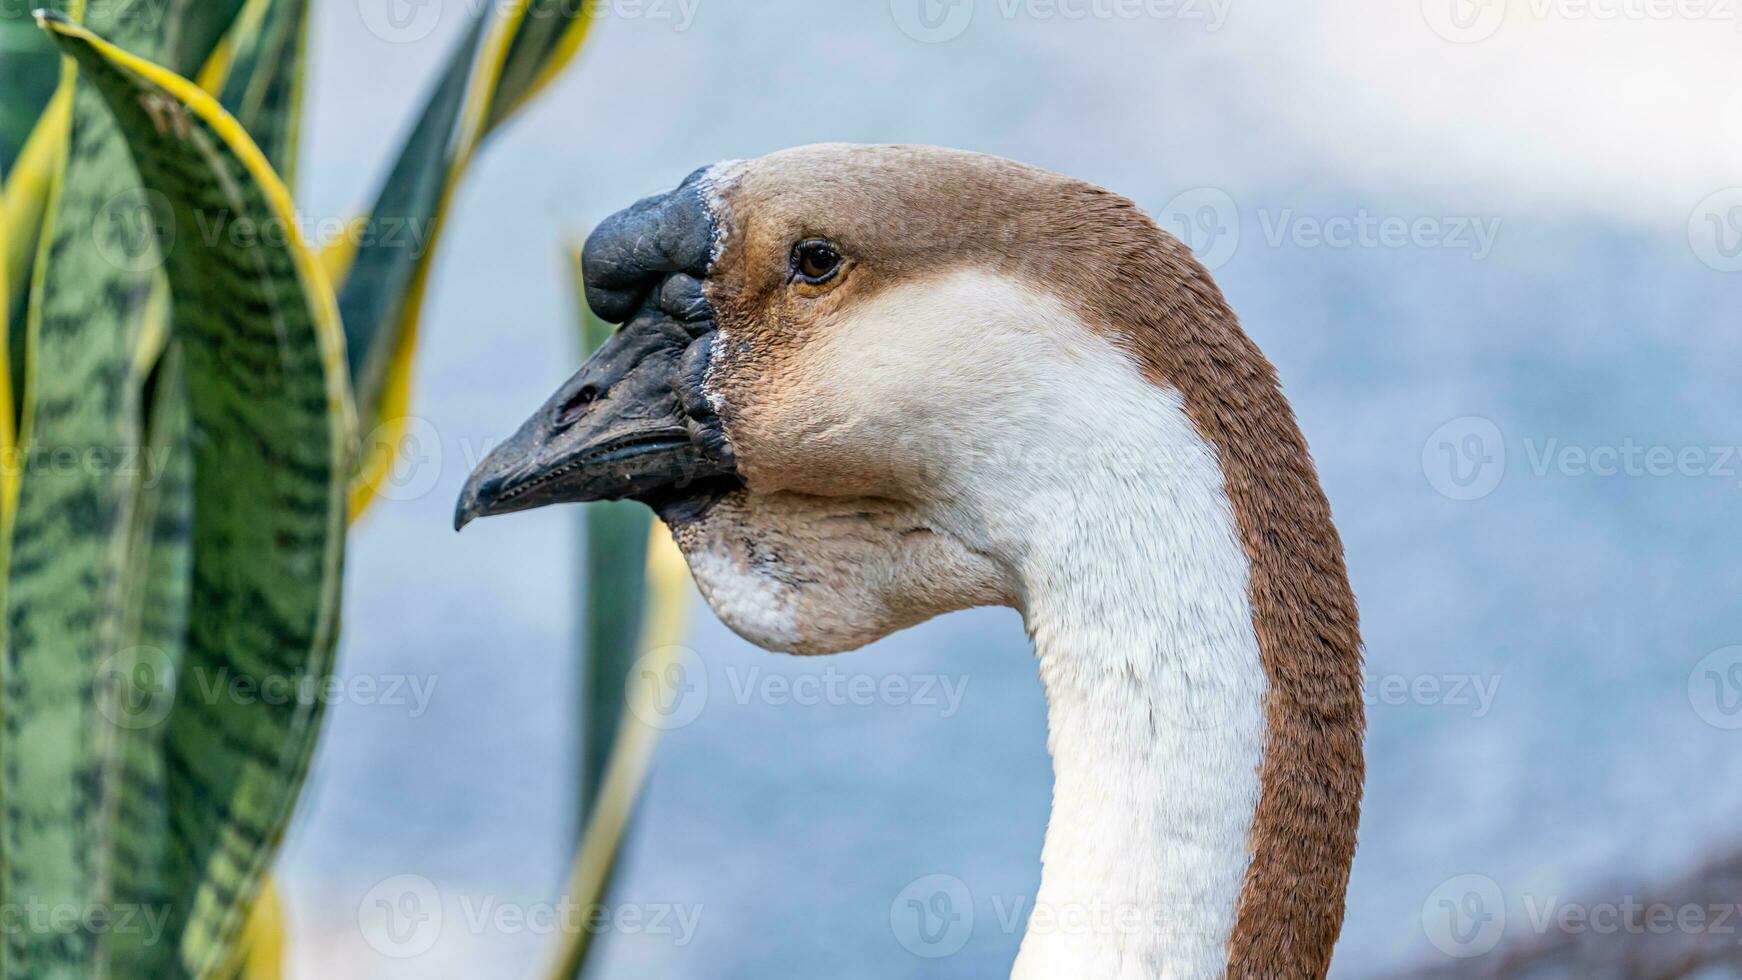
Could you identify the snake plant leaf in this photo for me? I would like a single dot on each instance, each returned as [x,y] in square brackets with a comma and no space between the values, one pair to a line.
[263,357]
[29,72]
[550,34]
[263,89]
[380,275]
[373,294]
[8,416]
[25,200]
[486,79]
[188,29]
[258,77]
[69,529]
[613,600]
[154,635]
[669,592]
[192,29]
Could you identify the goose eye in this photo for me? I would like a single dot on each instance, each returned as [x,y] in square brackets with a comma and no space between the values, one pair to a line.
[815,262]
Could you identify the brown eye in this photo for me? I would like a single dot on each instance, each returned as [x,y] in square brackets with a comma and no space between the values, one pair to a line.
[815,261]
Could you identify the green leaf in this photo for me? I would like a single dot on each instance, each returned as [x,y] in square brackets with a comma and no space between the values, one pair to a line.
[550,33]
[261,76]
[264,364]
[154,636]
[374,293]
[264,87]
[69,529]
[29,71]
[191,30]
[613,599]
[485,80]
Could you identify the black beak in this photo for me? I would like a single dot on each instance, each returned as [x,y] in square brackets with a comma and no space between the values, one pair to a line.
[634,422]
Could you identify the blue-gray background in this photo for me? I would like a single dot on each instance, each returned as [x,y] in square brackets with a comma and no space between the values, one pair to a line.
[1600,315]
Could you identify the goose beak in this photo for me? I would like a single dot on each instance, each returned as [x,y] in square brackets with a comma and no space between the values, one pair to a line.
[632,423]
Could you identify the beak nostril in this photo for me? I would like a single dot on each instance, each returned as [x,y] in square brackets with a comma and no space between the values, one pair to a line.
[575,407]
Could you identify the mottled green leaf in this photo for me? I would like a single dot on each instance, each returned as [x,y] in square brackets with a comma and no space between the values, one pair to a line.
[264,365]
[261,79]
[154,637]
[549,34]
[614,596]
[69,533]
[29,71]
[374,293]
[264,87]
[191,30]
[485,80]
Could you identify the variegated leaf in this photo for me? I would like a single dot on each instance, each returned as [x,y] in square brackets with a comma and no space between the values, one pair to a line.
[265,379]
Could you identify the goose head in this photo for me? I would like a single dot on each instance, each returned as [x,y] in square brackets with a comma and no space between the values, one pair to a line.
[825,357]
[867,385]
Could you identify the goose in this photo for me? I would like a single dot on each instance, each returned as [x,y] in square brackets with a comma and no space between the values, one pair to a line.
[867,385]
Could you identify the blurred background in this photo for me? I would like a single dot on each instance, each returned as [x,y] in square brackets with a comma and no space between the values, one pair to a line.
[1494,249]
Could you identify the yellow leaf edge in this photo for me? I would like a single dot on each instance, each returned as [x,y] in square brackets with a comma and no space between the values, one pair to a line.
[380,446]
[324,314]
[665,625]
